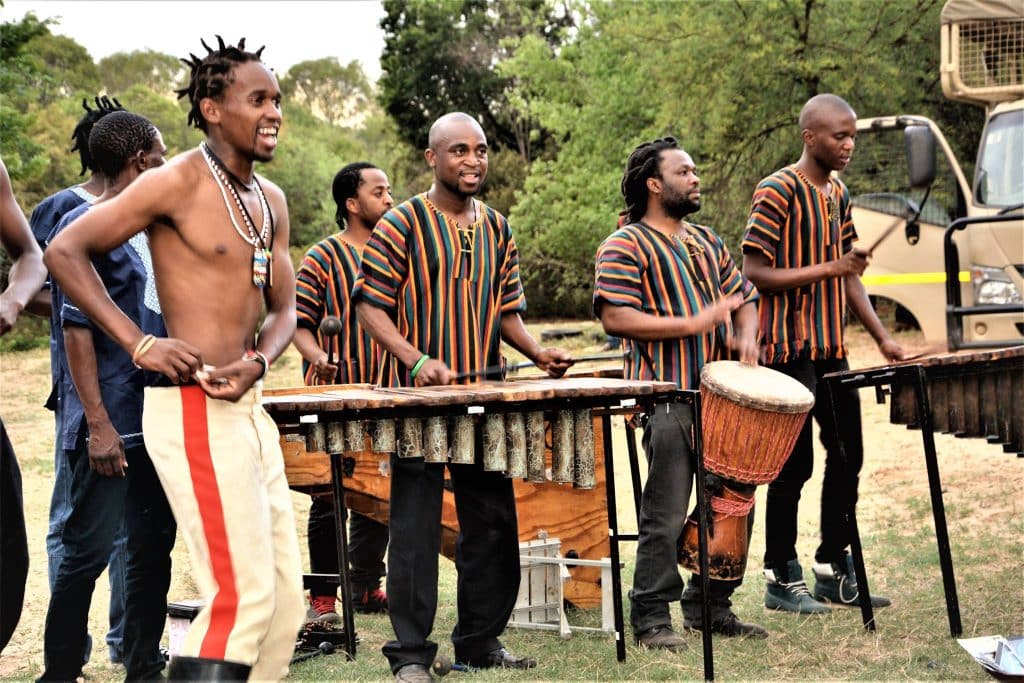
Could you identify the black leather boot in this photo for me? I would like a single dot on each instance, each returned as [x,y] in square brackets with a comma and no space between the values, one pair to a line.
[200,669]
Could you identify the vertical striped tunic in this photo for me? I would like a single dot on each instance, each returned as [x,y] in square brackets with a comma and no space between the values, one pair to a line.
[789,223]
[323,287]
[445,287]
[645,269]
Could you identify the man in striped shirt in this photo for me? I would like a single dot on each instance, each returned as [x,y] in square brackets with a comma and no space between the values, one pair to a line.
[323,287]
[670,288]
[439,290]
[798,250]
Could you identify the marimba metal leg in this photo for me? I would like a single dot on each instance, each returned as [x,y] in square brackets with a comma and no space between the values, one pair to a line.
[341,538]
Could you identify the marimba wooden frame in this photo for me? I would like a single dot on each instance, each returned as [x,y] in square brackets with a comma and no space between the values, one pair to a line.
[604,407]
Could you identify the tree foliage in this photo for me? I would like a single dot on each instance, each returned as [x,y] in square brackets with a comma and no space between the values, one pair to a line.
[727,79]
[334,92]
[157,71]
[441,57]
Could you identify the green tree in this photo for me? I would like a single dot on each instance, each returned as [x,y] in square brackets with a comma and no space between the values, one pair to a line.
[157,71]
[332,91]
[634,71]
[441,56]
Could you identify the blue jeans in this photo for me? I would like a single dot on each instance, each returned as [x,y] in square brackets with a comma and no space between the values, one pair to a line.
[60,510]
[100,508]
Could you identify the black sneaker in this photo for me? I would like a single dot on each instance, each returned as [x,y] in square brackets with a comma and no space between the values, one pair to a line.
[729,626]
[501,658]
[836,582]
[661,637]
[786,591]
[413,673]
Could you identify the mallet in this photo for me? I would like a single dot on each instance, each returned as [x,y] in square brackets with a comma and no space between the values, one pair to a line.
[330,326]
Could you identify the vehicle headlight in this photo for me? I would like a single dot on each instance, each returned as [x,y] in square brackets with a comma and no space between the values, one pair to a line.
[993,286]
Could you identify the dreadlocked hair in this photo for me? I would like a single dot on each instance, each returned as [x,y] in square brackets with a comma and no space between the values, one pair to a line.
[212,75]
[116,138]
[642,164]
[104,106]
[346,185]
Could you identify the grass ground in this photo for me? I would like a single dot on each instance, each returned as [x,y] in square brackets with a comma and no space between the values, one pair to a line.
[984,495]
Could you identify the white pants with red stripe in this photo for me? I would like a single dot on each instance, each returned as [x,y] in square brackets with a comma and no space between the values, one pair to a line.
[221,467]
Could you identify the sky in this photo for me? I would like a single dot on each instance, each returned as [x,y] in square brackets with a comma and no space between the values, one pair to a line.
[293,30]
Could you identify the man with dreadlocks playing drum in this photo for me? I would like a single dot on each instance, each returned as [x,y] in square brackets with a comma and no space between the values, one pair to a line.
[648,291]
[219,241]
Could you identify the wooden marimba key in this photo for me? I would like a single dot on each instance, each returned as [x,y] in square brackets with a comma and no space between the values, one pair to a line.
[970,395]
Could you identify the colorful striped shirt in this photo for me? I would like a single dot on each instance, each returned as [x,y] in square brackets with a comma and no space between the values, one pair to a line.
[645,269]
[445,287]
[323,287]
[790,223]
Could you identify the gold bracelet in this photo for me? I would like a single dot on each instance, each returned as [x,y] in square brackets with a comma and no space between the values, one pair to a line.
[144,345]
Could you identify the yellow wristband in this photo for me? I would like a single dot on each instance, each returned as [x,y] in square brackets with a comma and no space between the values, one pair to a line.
[144,345]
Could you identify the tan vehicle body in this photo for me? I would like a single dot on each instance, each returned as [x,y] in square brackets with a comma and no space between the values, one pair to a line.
[982,63]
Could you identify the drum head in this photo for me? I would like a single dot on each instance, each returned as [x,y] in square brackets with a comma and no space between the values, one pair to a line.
[753,386]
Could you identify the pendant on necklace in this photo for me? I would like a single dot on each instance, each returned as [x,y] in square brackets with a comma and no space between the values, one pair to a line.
[261,268]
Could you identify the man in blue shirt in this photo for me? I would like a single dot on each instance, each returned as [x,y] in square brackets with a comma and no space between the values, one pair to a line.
[45,217]
[100,431]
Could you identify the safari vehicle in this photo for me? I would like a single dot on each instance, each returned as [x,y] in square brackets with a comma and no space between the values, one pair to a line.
[957,270]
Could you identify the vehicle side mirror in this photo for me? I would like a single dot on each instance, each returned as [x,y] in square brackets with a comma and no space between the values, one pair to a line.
[920,142]
[913,232]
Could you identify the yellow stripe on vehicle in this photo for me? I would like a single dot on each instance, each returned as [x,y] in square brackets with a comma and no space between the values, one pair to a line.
[912,278]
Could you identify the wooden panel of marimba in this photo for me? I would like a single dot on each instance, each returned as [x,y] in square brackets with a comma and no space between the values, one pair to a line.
[970,395]
[541,432]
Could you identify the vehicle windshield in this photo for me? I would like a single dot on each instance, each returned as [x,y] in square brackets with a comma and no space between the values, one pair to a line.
[1000,174]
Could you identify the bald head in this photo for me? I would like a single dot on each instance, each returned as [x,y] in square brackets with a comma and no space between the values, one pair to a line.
[446,126]
[823,108]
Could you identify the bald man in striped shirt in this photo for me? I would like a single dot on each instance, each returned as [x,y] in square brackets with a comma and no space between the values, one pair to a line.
[439,290]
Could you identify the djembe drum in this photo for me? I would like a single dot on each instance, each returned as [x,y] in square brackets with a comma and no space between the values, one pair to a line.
[751,418]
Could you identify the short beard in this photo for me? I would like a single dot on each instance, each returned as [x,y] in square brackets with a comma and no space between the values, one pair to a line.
[679,209]
[459,192]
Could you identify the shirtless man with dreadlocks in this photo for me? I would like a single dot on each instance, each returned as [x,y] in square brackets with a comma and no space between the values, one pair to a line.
[219,240]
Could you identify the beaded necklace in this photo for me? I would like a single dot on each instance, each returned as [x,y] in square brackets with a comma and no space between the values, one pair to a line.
[262,255]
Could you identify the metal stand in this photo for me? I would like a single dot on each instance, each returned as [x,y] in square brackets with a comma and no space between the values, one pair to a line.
[914,376]
[341,538]
[691,398]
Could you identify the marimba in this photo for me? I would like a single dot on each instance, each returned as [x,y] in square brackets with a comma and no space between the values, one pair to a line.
[967,395]
[552,436]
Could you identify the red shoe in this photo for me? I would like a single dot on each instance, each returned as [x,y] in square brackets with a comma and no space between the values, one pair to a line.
[321,610]
[371,601]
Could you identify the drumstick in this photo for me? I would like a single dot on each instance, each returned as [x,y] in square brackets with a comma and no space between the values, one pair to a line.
[515,367]
[885,235]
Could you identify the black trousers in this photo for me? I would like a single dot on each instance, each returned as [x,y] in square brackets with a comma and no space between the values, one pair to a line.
[13,541]
[367,543]
[486,559]
[840,478]
[99,504]
[663,508]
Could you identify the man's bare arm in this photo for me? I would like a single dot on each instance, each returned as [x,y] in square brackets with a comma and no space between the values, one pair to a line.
[857,298]
[553,361]
[624,321]
[106,450]
[28,274]
[383,330]
[305,341]
[768,279]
